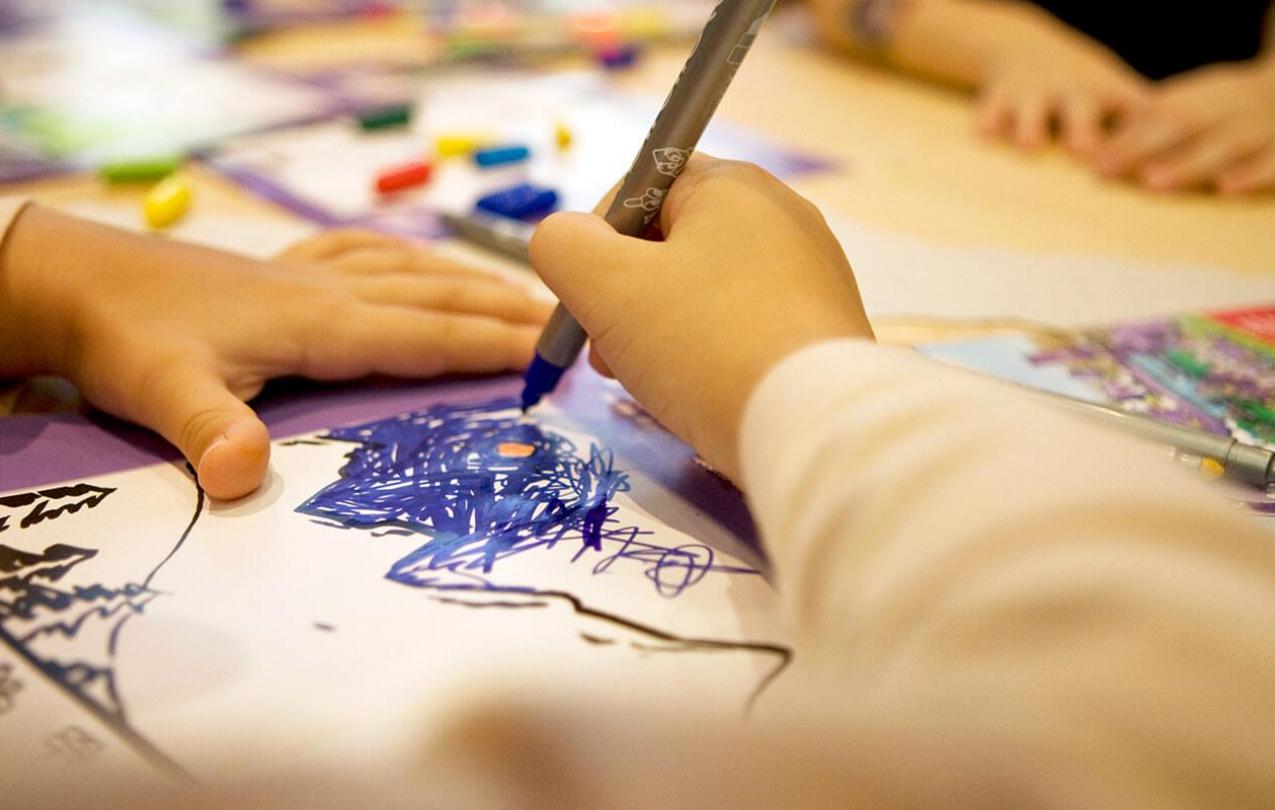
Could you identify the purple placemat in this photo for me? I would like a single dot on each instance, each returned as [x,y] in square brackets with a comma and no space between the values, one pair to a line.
[42,449]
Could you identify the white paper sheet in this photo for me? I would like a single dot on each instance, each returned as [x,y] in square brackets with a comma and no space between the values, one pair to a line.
[466,549]
[902,274]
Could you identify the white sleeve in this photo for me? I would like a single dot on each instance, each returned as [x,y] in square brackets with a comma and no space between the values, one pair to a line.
[994,606]
[939,536]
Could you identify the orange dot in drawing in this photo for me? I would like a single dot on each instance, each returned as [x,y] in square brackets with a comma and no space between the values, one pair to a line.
[515,449]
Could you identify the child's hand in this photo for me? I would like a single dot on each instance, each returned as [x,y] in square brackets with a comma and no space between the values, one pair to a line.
[176,337]
[748,273]
[1049,78]
[1211,127]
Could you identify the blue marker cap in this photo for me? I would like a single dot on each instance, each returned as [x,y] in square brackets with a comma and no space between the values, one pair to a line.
[522,201]
[541,378]
[500,155]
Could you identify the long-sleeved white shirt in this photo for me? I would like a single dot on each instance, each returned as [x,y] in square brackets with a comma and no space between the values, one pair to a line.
[993,605]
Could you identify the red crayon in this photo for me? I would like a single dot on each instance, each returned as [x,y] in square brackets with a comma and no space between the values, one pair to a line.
[408,175]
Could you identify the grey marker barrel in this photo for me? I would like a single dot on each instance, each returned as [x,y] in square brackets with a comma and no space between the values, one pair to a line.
[502,235]
[725,41]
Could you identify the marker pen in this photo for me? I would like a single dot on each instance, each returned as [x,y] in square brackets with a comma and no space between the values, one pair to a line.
[727,36]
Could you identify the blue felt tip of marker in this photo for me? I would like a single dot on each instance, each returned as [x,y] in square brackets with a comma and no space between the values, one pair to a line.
[500,155]
[522,201]
[541,378]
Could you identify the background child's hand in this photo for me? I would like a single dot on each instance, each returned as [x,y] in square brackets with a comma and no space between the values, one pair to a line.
[1211,127]
[748,273]
[1035,75]
[176,337]
[1051,78]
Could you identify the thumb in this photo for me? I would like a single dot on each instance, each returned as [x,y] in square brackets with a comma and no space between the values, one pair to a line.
[222,438]
[587,264]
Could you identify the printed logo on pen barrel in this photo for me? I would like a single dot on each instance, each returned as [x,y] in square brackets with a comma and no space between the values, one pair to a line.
[649,202]
[670,160]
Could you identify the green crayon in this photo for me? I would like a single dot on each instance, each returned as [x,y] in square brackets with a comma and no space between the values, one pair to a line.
[397,115]
[143,170]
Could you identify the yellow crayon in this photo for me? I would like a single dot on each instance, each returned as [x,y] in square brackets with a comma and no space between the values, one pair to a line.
[459,144]
[562,136]
[650,23]
[167,201]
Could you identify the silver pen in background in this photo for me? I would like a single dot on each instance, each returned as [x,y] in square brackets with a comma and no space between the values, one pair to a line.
[1237,461]
[502,235]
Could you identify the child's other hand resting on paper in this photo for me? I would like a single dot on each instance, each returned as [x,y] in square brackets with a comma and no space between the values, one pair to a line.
[177,337]
[747,273]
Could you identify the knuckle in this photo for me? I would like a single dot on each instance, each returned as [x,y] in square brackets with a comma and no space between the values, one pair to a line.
[197,429]
[719,177]
[1249,142]
[328,323]
[340,239]
[446,342]
[162,380]
[158,375]
[454,294]
[749,174]
[542,237]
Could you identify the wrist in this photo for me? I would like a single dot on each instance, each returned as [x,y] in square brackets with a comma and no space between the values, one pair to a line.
[739,374]
[963,42]
[800,396]
[37,293]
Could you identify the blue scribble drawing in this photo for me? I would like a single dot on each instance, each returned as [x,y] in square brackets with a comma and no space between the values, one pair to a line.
[484,488]
[484,485]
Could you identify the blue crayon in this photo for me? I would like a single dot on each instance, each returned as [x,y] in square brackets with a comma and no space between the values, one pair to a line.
[522,201]
[500,155]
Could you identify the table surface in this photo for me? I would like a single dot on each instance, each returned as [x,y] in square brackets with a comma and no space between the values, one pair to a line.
[908,160]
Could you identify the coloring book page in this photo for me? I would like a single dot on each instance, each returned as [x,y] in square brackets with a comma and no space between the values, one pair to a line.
[393,561]
[1211,371]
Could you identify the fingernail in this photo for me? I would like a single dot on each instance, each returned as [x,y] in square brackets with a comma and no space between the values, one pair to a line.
[217,442]
[235,462]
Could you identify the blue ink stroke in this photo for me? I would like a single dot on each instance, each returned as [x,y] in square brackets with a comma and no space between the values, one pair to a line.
[58,628]
[485,487]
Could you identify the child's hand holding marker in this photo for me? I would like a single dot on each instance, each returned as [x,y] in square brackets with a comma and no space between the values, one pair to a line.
[177,337]
[747,273]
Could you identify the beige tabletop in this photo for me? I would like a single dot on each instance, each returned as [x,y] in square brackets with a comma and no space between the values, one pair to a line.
[911,161]
[908,160]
